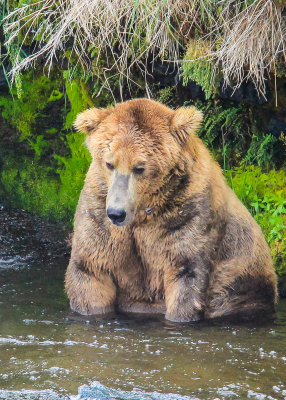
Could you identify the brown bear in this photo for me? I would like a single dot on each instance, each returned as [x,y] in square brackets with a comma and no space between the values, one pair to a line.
[156,228]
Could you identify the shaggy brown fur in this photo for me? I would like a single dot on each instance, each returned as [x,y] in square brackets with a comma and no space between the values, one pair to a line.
[183,244]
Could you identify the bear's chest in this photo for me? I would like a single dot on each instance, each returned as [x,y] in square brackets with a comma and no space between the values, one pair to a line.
[152,247]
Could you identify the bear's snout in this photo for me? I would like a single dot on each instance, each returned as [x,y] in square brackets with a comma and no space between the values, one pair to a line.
[120,199]
[116,215]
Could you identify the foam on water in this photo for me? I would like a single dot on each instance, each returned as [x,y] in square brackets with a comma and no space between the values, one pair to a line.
[97,391]
[31,340]
[11,263]
[94,391]
[30,395]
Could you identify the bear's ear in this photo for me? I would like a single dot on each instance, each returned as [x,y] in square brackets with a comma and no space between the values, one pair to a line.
[185,122]
[88,120]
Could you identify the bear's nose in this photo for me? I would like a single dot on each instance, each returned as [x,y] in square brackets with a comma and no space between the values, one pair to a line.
[116,215]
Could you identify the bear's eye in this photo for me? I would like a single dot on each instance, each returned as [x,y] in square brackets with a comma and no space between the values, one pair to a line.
[110,166]
[138,171]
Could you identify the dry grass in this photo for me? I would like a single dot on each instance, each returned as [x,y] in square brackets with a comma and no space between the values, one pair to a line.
[130,33]
[253,39]
[127,31]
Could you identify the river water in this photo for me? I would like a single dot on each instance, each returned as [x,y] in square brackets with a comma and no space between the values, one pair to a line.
[49,353]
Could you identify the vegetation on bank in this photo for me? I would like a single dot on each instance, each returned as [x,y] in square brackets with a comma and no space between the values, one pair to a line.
[99,58]
[239,39]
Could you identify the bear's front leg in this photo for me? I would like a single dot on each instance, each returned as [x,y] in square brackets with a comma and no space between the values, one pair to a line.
[185,291]
[91,292]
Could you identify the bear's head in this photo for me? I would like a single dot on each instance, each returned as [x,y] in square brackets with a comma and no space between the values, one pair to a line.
[137,147]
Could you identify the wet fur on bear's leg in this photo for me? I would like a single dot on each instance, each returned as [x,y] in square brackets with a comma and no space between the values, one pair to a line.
[245,298]
[240,286]
[89,294]
[186,290]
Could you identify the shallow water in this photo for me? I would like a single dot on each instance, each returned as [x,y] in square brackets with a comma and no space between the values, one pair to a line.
[47,352]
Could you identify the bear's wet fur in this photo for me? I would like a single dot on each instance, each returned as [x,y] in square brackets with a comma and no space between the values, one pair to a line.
[157,229]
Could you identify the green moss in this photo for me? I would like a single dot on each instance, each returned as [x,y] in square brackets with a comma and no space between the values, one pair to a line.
[55,95]
[27,184]
[48,183]
[79,98]
[39,145]
[22,112]
[73,167]
[198,67]
[50,193]
[52,131]
[73,171]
